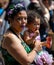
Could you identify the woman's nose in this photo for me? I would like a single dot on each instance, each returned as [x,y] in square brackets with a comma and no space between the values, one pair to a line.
[24,20]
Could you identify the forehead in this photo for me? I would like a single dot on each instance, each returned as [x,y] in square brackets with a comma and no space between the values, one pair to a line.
[1,1]
[22,13]
[37,20]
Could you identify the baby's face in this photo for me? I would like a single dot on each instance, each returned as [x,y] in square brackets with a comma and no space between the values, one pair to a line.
[35,25]
[4,3]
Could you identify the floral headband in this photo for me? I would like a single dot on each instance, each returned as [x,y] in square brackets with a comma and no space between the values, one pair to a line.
[14,9]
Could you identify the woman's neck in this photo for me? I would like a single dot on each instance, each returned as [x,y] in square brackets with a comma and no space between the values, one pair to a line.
[15,30]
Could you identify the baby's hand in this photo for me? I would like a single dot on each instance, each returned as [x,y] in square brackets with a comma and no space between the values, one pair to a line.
[38,46]
[36,33]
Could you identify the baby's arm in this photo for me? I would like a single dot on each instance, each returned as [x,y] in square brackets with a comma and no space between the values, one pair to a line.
[29,40]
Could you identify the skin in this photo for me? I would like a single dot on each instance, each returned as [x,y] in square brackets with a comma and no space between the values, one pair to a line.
[0,22]
[33,27]
[4,3]
[13,44]
[46,3]
[33,0]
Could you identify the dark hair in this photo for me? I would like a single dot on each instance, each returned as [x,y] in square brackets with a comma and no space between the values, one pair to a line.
[32,6]
[10,2]
[36,7]
[50,1]
[31,16]
[0,5]
[14,9]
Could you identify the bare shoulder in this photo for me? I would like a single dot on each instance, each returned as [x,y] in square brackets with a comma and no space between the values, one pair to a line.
[9,39]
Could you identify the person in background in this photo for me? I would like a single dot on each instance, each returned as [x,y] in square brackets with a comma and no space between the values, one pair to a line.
[25,2]
[48,4]
[3,24]
[14,49]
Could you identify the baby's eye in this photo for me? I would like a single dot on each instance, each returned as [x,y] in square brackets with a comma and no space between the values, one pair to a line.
[34,24]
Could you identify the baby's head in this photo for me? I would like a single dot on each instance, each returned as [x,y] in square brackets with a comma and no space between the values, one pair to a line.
[33,22]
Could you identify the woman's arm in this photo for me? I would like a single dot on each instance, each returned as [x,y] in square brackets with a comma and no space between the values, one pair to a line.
[15,48]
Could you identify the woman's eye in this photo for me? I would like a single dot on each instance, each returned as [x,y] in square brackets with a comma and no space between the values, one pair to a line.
[25,18]
[20,18]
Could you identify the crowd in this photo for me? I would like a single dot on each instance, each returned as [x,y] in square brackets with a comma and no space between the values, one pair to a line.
[26,28]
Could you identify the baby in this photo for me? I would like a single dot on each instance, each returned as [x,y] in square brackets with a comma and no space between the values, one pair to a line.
[32,35]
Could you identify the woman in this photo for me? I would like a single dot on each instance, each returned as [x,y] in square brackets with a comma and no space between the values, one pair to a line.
[16,50]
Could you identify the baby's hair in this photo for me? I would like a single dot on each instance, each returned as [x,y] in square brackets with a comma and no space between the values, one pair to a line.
[50,1]
[32,15]
[36,7]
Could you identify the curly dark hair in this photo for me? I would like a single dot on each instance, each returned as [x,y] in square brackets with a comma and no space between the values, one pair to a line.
[36,7]
[32,15]
[13,10]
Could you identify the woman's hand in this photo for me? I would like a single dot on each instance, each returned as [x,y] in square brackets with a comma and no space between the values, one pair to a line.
[38,46]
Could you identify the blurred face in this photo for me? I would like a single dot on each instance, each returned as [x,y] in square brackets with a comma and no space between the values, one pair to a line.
[4,3]
[35,25]
[20,20]
[46,2]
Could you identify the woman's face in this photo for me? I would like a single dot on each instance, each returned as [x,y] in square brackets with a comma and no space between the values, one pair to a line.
[20,20]
[4,3]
